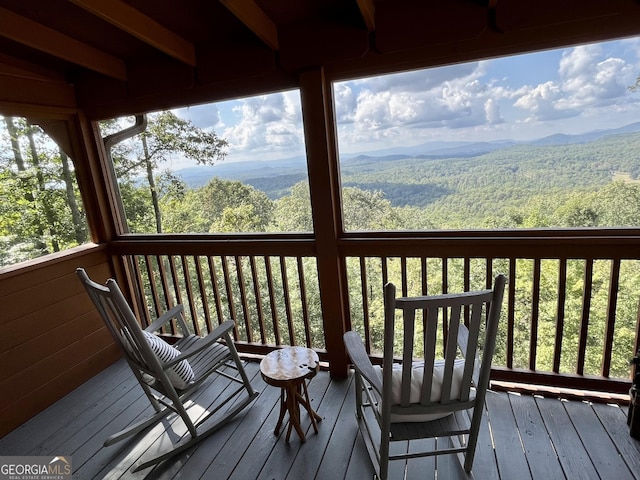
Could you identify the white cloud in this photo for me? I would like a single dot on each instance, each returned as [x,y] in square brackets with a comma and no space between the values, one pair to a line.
[345,102]
[587,80]
[420,80]
[520,97]
[406,107]
[492,112]
[268,123]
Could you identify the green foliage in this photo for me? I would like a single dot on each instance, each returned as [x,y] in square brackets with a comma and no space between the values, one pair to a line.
[38,211]
[293,212]
[165,135]
[168,134]
[368,210]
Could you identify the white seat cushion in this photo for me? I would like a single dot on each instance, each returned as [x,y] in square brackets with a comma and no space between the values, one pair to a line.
[181,374]
[416,387]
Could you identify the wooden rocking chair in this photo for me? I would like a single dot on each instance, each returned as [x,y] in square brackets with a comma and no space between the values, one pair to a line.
[429,398]
[168,374]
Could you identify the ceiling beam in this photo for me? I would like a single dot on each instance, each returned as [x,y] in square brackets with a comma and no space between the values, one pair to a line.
[38,36]
[249,13]
[136,23]
[19,68]
[368,12]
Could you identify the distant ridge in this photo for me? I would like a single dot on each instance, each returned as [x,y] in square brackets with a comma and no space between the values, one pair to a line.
[563,139]
[251,171]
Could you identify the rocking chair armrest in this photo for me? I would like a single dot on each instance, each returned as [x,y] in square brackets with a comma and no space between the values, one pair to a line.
[175,312]
[360,359]
[220,331]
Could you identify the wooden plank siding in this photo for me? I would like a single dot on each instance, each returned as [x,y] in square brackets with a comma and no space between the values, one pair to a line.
[52,337]
[521,437]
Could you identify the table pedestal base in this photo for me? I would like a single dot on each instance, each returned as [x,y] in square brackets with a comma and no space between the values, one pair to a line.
[291,397]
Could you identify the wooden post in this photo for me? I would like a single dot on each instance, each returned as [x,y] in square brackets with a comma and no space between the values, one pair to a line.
[324,186]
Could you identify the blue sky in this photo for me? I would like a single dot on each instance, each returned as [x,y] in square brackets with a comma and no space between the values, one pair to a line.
[569,90]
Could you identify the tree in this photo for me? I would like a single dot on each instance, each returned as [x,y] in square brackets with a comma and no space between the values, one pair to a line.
[219,206]
[293,212]
[40,212]
[366,210]
[166,134]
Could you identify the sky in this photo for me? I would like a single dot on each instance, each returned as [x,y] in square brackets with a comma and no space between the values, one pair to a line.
[570,90]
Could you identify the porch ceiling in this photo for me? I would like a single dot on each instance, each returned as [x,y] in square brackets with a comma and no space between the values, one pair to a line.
[125,56]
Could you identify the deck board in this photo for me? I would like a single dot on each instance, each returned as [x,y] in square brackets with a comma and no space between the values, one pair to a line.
[541,457]
[612,417]
[573,457]
[599,446]
[512,462]
[525,436]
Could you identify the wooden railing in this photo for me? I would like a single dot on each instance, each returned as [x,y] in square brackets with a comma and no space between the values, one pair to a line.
[273,296]
[570,316]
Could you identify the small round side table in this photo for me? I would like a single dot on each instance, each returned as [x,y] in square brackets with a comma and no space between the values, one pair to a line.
[288,368]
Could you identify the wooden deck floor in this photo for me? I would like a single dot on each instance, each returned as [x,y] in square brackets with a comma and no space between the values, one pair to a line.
[522,437]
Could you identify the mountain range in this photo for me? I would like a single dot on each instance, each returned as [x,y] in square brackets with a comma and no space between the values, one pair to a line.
[257,172]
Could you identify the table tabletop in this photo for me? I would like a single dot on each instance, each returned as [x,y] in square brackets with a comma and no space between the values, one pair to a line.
[289,365]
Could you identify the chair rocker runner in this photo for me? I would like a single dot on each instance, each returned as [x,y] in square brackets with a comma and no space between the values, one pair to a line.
[169,374]
[430,398]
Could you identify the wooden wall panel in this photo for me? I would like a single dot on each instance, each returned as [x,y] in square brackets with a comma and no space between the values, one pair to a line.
[51,337]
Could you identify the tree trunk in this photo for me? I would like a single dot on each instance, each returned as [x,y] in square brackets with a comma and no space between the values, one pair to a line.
[49,214]
[152,185]
[79,229]
[15,146]
[28,194]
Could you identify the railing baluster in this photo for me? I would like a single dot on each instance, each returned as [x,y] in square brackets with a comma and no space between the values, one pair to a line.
[258,297]
[229,290]
[511,305]
[203,294]
[489,275]
[445,289]
[152,285]
[174,279]
[403,273]
[560,312]
[243,299]
[287,300]
[272,301]
[385,272]
[466,273]
[423,271]
[612,304]
[216,291]
[365,303]
[303,300]
[445,275]
[189,288]
[636,343]
[162,271]
[141,296]
[535,312]
[584,324]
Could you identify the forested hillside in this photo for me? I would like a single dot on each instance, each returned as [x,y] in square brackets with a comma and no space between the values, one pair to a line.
[591,183]
[525,185]
[514,174]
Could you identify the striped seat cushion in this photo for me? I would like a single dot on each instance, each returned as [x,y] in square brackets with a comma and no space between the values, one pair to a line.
[181,374]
